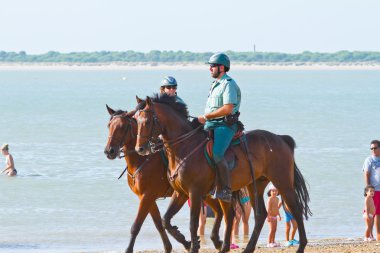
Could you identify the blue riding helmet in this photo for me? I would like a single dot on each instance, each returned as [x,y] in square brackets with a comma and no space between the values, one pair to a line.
[169,81]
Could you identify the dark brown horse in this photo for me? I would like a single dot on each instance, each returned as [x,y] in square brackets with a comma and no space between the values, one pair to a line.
[147,178]
[272,156]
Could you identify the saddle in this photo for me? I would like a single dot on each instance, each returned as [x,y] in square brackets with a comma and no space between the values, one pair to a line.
[230,155]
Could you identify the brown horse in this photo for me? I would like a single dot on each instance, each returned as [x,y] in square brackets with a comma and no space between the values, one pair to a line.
[147,178]
[272,157]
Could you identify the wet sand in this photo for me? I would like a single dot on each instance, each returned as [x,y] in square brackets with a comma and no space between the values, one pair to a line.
[314,246]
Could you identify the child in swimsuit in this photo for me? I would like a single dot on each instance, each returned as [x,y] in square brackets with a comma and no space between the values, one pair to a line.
[369,212]
[290,223]
[273,212]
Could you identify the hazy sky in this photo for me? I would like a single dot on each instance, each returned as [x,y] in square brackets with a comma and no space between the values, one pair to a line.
[289,26]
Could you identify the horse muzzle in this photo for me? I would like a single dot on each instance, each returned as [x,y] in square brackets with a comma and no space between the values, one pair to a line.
[111,152]
[143,150]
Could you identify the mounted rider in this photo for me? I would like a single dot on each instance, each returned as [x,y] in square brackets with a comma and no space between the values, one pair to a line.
[221,116]
[169,86]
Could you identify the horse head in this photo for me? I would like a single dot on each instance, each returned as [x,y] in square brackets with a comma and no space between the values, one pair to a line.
[120,132]
[148,128]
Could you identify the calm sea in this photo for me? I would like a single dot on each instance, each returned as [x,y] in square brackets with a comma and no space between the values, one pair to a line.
[67,197]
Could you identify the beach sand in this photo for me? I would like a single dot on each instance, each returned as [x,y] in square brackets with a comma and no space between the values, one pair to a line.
[185,66]
[314,246]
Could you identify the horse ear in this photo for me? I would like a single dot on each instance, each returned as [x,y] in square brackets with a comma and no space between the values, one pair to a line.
[110,110]
[138,100]
[148,101]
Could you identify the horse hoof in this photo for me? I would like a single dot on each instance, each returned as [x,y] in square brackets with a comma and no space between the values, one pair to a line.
[168,249]
[218,244]
[187,245]
[224,249]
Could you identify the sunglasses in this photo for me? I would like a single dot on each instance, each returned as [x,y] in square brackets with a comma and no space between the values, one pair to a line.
[214,65]
[373,148]
[174,87]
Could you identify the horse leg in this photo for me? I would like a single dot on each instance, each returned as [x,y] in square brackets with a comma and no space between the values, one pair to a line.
[229,215]
[260,215]
[176,203]
[218,212]
[195,209]
[290,198]
[144,207]
[155,213]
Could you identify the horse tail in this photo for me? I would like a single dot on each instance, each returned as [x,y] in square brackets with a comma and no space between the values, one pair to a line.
[300,186]
[302,192]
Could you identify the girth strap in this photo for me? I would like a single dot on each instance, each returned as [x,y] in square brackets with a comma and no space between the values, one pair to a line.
[243,139]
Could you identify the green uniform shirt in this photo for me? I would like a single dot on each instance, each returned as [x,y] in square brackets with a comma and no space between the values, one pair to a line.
[223,91]
[179,100]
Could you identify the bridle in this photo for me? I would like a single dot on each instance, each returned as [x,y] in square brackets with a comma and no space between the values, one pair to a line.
[121,139]
[155,143]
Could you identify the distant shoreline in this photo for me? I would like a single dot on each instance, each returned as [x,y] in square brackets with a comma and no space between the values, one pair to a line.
[184,66]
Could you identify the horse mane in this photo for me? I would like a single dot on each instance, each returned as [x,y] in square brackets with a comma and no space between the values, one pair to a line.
[117,112]
[180,108]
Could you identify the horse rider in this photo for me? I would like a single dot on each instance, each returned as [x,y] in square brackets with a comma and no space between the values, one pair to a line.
[221,116]
[169,86]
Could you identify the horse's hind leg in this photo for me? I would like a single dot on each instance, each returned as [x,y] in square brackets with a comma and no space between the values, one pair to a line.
[155,213]
[290,199]
[260,215]
[229,215]
[215,206]
[176,203]
[144,207]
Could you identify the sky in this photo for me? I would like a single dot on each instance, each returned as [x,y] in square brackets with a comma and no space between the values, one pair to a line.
[289,26]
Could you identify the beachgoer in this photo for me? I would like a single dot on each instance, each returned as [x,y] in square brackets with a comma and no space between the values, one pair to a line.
[169,86]
[369,212]
[290,223]
[371,170]
[10,169]
[221,116]
[241,216]
[273,214]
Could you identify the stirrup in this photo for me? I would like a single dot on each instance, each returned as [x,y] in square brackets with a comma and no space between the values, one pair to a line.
[224,195]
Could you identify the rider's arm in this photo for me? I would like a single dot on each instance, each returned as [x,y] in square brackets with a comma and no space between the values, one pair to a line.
[218,113]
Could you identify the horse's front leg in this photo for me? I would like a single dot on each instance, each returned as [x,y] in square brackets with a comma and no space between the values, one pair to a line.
[146,202]
[176,203]
[155,213]
[195,209]
[218,212]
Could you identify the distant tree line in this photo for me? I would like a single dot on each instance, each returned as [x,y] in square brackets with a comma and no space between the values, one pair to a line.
[186,56]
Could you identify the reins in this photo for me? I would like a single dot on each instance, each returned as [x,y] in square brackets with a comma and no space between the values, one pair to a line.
[153,130]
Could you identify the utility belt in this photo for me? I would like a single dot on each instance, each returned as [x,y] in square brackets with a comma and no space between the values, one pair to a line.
[228,119]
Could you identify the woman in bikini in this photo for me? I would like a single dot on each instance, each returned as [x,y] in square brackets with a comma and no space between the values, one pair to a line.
[10,169]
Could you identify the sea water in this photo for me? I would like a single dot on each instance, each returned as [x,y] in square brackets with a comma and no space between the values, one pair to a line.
[66,197]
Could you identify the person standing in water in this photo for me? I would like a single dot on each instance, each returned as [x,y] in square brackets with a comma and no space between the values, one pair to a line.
[10,169]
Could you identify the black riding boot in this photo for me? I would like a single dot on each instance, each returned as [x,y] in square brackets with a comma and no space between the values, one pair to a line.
[224,193]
